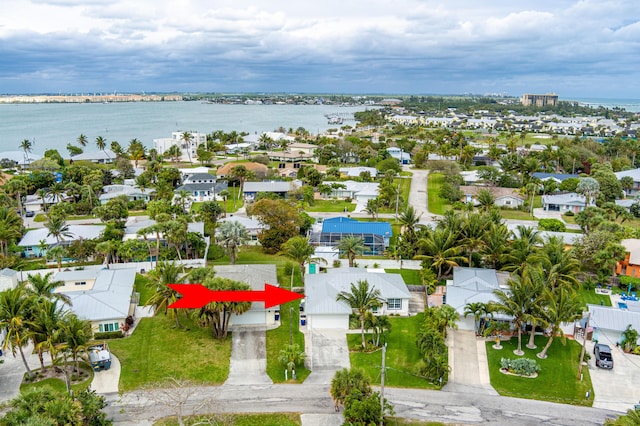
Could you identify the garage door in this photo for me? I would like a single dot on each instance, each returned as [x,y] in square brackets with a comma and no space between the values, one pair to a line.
[249,318]
[328,321]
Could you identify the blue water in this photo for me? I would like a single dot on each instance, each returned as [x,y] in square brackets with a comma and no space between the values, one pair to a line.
[52,126]
[631,105]
[622,305]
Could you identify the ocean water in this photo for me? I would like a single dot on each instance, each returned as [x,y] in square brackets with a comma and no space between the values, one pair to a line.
[53,126]
[631,105]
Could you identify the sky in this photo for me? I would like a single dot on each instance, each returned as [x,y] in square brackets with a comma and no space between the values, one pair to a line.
[586,48]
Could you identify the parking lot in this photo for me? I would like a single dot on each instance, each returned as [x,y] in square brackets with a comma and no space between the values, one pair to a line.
[615,389]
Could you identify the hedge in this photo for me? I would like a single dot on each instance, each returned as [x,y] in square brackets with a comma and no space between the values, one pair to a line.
[108,335]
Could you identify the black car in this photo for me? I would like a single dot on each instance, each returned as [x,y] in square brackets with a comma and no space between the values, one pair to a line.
[604,359]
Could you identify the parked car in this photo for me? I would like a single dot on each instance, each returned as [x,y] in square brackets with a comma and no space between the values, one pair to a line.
[30,213]
[602,352]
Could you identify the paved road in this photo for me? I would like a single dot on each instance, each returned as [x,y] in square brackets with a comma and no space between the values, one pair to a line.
[449,407]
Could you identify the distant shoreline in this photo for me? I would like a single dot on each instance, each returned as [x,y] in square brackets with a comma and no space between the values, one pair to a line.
[79,99]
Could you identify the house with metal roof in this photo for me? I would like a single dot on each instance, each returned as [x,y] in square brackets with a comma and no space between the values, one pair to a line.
[556,177]
[565,202]
[36,241]
[100,157]
[8,279]
[399,154]
[630,265]
[105,297]
[473,285]
[357,171]
[375,235]
[323,311]
[205,189]
[253,226]
[280,188]
[610,322]
[635,175]
[132,193]
[256,276]
[503,197]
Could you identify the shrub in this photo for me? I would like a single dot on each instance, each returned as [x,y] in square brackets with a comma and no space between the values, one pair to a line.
[521,366]
[108,335]
[336,263]
[555,225]
[626,280]
[569,213]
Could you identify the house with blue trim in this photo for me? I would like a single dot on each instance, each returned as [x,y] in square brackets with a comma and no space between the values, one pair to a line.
[375,235]
[36,242]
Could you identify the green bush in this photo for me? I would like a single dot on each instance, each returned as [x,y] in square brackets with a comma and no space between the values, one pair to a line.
[569,213]
[521,366]
[555,225]
[108,335]
[626,280]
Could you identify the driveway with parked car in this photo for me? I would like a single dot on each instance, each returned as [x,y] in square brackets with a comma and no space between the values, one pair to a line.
[615,388]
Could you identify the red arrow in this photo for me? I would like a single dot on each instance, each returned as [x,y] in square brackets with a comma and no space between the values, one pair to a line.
[196,296]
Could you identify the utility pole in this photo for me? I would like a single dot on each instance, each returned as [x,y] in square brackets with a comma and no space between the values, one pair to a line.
[584,345]
[384,356]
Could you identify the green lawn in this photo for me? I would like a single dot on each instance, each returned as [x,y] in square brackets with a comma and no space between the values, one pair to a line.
[402,355]
[271,419]
[58,384]
[142,287]
[437,205]
[516,214]
[410,276]
[590,297]
[157,350]
[556,381]
[333,206]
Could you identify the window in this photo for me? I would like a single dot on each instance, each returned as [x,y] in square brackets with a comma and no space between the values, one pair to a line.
[507,203]
[81,283]
[394,304]
[109,327]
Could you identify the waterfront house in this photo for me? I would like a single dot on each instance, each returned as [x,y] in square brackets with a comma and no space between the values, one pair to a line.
[99,157]
[323,311]
[105,297]
[188,148]
[36,241]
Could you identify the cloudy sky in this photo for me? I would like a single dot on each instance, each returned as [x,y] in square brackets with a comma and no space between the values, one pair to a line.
[587,48]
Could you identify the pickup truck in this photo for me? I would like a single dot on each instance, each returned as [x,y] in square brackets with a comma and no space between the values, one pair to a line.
[603,355]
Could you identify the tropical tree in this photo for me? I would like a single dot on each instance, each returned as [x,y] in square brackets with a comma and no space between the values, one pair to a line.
[232,234]
[373,206]
[409,221]
[291,356]
[362,299]
[16,188]
[10,228]
[561,305]
[441,249]
[58,228]
[477,309]
[209,213]
[27,146]
[187,138]
[473,233]
[45,317]
[243,174]
[298,249]
[107,249]
[43,287]
[486,199]
[225,195]
[351,247]
[163,295]
[101,143]
[77,335]
[589,187]
[378,324]
[218,314]
[348,381]
[82,140]
[57,253]
[14,309]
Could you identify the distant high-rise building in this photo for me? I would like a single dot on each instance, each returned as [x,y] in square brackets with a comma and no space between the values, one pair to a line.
[539,100]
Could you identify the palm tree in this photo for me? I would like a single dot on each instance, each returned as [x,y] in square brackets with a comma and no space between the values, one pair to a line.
[299,249]
[101,143]
[163,295]
[27,146]
[362,299]
[476,309]
[58,228]
[224,194]
[409,220]
[42,193]
[351,247]
[56,191]
[82,140]
[77,334]
[561,305]
[232,234]
[243,174]
[496,244]
[45,317]
[441,249]
[187,137]
[16,188]
[14,308]
[517,302]
[486,199]
[107,249]
[473,233]
[373,206]
[57,253]
[347,382]
[43,287]
[218,314]
[10,228]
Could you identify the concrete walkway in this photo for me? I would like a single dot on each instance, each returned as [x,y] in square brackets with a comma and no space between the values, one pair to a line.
[468,361]
[12,371]
[106,381]
[248,356]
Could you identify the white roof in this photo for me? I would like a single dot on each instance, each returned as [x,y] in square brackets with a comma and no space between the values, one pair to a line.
[109,298]
[321,290]
[133,225]
[355,171]
[635,174]
[570,198]
[615,319]
[255,275]
[107,154]
[19,157]
[632,245]
[276,186]
[247,222]
[85,232]
[471,285]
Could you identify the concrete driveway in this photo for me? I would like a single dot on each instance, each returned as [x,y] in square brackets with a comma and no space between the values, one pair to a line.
[12,371]
[615,389]
[106,381]
[468,362]
[248,356]
[327,352]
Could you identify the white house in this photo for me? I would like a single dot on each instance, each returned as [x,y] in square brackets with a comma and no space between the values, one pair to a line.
[36,239]
[256,276]
[470,285]
[100,157]
[188,148]
[36,204]
[357,171]
[503,197]
[133,193]
[321,290]
[565,202]
[253,226]
[609,322]
[635,175]
[8,279]
[399,154]
[102,296]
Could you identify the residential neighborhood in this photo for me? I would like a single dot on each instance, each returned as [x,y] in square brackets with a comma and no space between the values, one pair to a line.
[463,255]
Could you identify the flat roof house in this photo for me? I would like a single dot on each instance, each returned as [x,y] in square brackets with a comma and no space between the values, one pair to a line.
[322,309]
